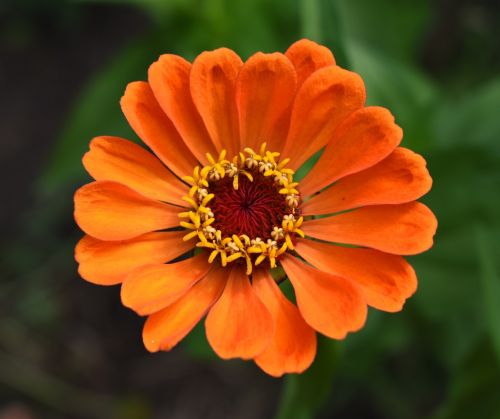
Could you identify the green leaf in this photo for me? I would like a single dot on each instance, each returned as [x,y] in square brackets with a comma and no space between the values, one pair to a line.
[469,178]
[307,166]
[471,120]
[311,20]
[155,8]
[304,395]
[488,256]
[196,343]
[475,386]
[393,27]
[97,112]
[404,90]
[465,193]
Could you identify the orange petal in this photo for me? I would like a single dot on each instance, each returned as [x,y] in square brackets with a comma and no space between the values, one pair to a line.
[293,346]
[385,280]
[112,158]
[212,83]
[405,229]
[307,57]
[154,128]
[368,136]
[169,79]
[150,288]
[265,89]
[111,211]
[330,304]
[326,98]
[108,263]
[239,324]
[165,328]
[402,177]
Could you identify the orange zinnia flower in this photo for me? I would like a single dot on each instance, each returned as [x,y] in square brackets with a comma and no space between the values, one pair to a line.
[228,137]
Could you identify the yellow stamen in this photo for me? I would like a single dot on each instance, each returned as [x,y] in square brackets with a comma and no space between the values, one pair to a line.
[210,158]
[249,265]
[213,255]
[189,226]
[190,235]
[259,259]
[191,201]
[234,256]
[223,257]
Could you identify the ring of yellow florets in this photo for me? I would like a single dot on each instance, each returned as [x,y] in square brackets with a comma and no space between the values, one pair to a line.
[200,218]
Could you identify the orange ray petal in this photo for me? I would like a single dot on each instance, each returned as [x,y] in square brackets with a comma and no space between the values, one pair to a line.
[111,211]
[405,229]
[154,128]
[307,57]
[150,288]
[239,324]
[293,346]
[385,280]
[402,177]
[108,263]
[212,81]
[265,89]
[330,304]
[325,99]
[368,136]
[112,158]
[169,79]
[167,327]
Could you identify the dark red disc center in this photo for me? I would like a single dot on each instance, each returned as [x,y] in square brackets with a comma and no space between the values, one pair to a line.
[253,209]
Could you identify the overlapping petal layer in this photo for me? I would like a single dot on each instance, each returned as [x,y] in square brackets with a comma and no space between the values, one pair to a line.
[111,211]
[307,57]
[112,158]
[402,177]
[109,262]
[153,287]
[150,123]
[327,97]
[165,328]
[265,90]
[239,325]
[330,304]
[293,346]
[169,80]
[385,280]
[365,138]
[405,229]
[213,84]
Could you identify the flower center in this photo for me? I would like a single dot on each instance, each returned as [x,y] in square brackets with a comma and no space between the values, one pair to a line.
[243,210]
[252,209]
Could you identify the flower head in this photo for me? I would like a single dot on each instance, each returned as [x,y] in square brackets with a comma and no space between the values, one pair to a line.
[219,191]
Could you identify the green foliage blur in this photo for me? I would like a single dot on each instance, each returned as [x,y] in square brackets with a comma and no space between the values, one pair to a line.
[438,359]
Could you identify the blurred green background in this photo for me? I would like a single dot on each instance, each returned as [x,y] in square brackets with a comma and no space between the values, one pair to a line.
[68,349]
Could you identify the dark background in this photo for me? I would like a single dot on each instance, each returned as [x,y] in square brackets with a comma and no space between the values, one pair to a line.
[68,349]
